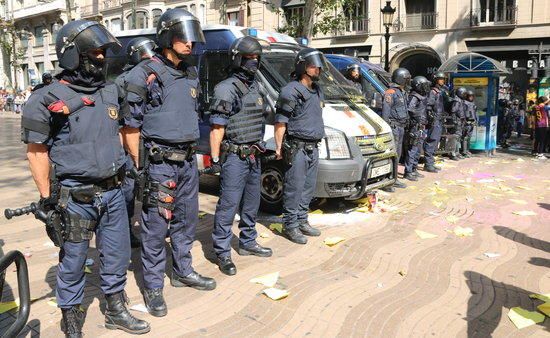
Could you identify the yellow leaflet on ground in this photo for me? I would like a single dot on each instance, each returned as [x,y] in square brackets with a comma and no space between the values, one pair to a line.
[87,270]
[492,187]
[424,234]
[365,209]
[519,160]
[402,273]
[363,200]
[452,219]
[463,232]
[276,294]
[268,280]
[451,182]
[524,187]
[469,199]
[485,180]
[546,181]
[496,194]
[523,318]
[7,306]
[467,186]
[332,241]
[437,204]
[412,187]
[513,177]
[439,190]
[52,302]
[264,235]
[544,308]
[317,212]
[276,227]
[519,201]
[525,213]
[202,214]
[544,297]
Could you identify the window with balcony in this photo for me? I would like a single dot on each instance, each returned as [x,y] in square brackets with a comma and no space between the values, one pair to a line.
[115,25]
[420,14]
[141,20]
[39,36]
[294,15]
[193,9]
[55,27]
[493,12]
[233,18]
[156,16]
[23,40]
[40,68]
[357,16]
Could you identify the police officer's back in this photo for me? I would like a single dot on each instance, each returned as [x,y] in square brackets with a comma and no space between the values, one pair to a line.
[435,113]
[299,120]
[75,121]
[416,127]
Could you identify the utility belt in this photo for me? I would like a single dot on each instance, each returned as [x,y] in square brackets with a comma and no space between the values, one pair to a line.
[291,145]
[244,151]
[180,154]
[397,124]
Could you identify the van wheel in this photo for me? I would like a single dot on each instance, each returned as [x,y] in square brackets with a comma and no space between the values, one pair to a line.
[272,187]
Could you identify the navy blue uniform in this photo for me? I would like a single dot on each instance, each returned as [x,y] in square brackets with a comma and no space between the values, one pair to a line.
[301,109]
[239,107]
[470,123]
[167,113]
[435,111]
[394,112]
[416,130]
[85,148]
[457,112]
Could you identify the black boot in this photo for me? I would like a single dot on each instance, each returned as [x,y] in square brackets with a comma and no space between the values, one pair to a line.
[227,266]
[73,319]
[255,250]
[117,315]
[154,302]
[410,177]
[308,230]
[388,188]
[295,235]
[193,280]
[417,174]
[399,184]
[430,169]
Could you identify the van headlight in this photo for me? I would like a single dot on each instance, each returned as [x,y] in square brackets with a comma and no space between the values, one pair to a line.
[334,146]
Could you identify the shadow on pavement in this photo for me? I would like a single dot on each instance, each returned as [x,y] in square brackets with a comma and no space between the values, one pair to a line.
[522,238]
[490,300]
[544,205]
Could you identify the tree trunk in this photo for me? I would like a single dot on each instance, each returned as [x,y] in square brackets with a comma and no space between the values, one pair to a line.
[308,20]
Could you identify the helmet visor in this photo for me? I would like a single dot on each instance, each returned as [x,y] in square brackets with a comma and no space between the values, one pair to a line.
[145,48]
[96,37]
[187,30]
[314,58]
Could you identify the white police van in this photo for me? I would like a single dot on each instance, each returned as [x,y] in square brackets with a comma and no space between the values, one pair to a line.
[358,153]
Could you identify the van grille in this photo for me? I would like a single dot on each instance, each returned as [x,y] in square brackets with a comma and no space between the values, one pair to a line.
[370,145]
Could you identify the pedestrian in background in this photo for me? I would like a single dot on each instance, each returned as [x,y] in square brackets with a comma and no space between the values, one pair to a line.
[19,101]
[520,121]
[530,114]
[541,126]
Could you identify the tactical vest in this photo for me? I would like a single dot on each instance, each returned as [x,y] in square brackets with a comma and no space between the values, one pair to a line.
[399,107]
[247,125]
[306,122]
[439,102]
[173,117]
[87,147]
[418,113]
[470,111]
[458,108]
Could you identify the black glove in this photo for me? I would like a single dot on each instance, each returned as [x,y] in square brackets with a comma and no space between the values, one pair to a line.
[214,168]
[46,204]
[134,173]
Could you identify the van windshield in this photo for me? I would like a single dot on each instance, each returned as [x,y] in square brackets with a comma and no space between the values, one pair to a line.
[277,67]
[377,77]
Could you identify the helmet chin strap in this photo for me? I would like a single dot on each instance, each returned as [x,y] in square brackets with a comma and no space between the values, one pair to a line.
[94,69]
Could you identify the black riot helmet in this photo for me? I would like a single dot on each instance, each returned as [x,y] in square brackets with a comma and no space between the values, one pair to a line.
[438,76]
[469,95]
[140,48]
[401,76]
[353,67]
[178,23]
[418,84]
[460,92]
[47,78]
[245,46]
[76,38]
[305,58]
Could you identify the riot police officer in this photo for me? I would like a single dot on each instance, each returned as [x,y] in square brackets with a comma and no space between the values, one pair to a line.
[237,119]
[394,110]
[47,79]
[435,112]
[353,74]
[299,128]
[417,125]
[167,115]
[75,122]
[458,116]
[470,122]
[138,49]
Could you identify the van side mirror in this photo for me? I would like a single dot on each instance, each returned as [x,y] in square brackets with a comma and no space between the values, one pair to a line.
[376,101]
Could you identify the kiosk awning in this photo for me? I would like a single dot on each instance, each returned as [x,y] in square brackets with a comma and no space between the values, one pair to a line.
[472,63]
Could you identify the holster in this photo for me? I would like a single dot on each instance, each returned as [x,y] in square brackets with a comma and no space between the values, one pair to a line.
[244,151]
[163,199]
[158,154]
[55,228]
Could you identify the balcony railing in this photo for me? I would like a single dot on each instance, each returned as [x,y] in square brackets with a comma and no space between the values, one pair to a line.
[90,10]
[494,16]
[420,21]
[357,25]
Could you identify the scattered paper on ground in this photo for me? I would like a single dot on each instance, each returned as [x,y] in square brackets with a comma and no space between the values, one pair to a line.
[317,212]
[402,273]
[434,213]
[365,209]
[519,160]
[437,204]
[524,187]
[139,307]
[452,219]
[463,232]
[276,227]
[525,213]
[49,244]
[519,201]
[332,241]
[469,199]
[544,308]
[544,298]
[7,306]
[264,235]
[268,280]
[87,270]
[424,234]
[523,318]
[492,254]
[276,294]
[52,302]
[486,180]
[467,186]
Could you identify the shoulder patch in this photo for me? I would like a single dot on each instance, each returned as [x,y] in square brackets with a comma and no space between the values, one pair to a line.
[390,91]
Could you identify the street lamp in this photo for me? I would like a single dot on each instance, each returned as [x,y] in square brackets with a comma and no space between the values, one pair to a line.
[387,20]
